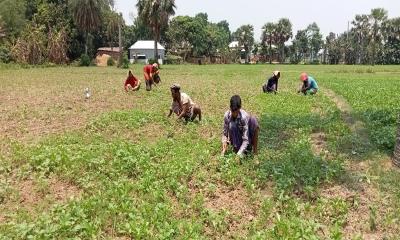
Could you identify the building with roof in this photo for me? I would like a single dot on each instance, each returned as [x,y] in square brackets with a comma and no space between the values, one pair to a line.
[110,51]
[143,50]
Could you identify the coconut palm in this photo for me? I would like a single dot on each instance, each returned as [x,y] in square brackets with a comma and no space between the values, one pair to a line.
[155,14]
[378,16]
[245,36]
[87,16]
[361,27]
[114,22]
[283,34]
[269,35]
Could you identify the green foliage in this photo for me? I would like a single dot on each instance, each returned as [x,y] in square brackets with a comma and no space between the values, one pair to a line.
[245,36]
[374,103]
[12,13]
[110,61]
[152,60]
[172,59]
[155,15]
[125,62]
[85,60]
[135,32]
[276,34]
[188,35]
[142,175]
[297,168]
[5,54]
[30,48]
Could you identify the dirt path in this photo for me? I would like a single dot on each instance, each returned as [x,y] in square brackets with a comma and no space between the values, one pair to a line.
[356,126]
[367,194]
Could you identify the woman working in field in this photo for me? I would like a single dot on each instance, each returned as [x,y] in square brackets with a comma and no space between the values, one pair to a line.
[182,105]
[271,86]
[240,129]
[151,75]
[131,82]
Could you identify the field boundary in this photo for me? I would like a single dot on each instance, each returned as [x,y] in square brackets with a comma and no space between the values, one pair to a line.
[356,125]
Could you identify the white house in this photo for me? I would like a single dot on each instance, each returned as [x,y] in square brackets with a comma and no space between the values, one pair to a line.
[234,44]
[143,50]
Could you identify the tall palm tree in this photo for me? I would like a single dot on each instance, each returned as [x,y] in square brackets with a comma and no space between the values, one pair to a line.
[283,34]
[269,37]
[315,39]
[361,26]
[245,36]
[155,14]
[87,16]
[114,21]
[378,16]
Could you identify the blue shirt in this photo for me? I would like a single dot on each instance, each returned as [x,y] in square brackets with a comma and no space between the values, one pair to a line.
[312,83]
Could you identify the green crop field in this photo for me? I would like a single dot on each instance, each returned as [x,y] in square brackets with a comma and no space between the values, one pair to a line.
[116,167]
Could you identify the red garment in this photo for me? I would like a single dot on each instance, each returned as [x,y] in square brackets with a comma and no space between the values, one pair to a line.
[148,69]
[133,81]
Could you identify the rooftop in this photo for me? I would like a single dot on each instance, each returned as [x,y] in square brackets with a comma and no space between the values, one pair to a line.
[146,44]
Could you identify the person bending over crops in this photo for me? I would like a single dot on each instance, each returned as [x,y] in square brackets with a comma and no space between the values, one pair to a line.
[182,105]
[240,129]
[309,86]
[131,82]
[151,75]
[271,86]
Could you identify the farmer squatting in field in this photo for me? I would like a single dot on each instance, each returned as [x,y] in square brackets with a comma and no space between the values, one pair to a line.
[151,75]
[131,82]
[182,105]
[271,86]
[309,86]
[240,129]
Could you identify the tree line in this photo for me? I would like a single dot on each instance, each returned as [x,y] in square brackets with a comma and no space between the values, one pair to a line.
[62,31]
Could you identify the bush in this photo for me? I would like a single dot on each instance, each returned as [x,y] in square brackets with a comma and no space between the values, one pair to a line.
[110,61]
[5,54]
[30,47]
[173,59]
[315,62]
[85,60]
[152,60]
[125,62]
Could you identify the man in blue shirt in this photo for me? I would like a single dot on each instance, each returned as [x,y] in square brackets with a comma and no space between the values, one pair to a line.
[309,86]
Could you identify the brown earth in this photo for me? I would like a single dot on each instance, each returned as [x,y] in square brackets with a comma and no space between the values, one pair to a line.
[235,201]
[55,103]
[29,194]
[318,143]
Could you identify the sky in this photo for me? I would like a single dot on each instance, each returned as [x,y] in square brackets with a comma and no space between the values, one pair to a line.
[330,15]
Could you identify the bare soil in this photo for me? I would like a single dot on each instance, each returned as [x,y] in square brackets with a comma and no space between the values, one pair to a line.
[319,144]
[29,194]
[33,109]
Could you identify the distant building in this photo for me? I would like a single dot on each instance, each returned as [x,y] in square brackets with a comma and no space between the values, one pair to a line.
[142,51]
[234,45]
[113,52]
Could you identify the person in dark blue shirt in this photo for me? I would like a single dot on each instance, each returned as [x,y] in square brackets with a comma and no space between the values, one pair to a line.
[271,86]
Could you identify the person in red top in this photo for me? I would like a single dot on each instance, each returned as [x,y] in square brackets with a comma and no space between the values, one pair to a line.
[131,82]
[151,72]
